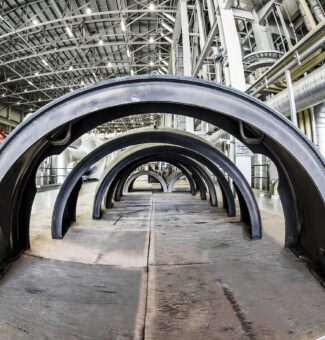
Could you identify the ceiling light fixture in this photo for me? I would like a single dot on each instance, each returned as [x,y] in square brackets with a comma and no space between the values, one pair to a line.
[132,72]
[45,62]
[100,42]
[151,40]
[88,10]
[70,67]
[123,27]
[151,63]
[168,28]
[128,53]
[109,64]
[69,31]
[164,69]
[152,7]
[166,37]
[35,22]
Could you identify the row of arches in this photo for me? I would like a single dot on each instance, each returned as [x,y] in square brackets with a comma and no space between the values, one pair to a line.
[50,130]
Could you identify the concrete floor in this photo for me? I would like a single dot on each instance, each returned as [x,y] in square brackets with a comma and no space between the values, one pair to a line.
[159,266]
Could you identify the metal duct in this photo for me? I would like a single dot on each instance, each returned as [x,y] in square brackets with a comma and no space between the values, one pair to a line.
[320,127]
[308,91]
[306,15]
[317,10]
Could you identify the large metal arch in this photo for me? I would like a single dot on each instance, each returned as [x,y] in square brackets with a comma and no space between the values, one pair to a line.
[300,165]
[69,211]
[228,199]
[148,173]
[142,155]
[118,190]
[153,174]
[181,138]
[105,188]
[195,172]
[172,179]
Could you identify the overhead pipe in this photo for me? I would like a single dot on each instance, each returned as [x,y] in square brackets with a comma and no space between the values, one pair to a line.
[317,10]
[308,91]
[306,15]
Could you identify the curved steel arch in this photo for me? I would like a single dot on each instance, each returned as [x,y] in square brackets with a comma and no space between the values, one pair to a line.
[300,165]
[105,188]
[165,136]
[228,199]
[148,173]
[200,184]
[118,189]
[171,181]
[142,156]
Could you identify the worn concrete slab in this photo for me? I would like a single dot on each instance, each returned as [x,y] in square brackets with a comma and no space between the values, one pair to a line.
[119,239]
[206,278]
[47,299]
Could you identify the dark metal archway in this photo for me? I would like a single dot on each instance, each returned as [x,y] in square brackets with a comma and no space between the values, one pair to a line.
[171,181]
[66,199]
[115,189]
[141,156]
[118,189]
[153,174]
[199,183]
[263,130]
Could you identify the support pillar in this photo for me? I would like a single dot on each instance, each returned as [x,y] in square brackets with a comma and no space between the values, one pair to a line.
[187,62]
[320,127]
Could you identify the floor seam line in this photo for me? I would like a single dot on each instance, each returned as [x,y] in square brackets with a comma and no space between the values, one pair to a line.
[147,268]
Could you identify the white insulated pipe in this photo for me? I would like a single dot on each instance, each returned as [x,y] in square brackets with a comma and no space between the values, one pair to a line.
[317,10]
[306,15]
[308,91]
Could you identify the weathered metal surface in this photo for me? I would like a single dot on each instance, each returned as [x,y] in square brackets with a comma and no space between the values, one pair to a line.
[300,165]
